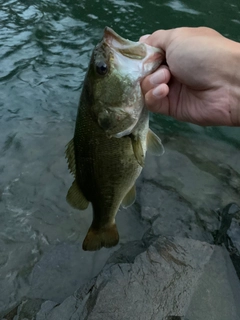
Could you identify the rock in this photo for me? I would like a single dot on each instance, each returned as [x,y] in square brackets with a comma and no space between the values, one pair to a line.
[63,269]
[62,311]
[170,214]
[26,310]
[173,278]
[10,315]
[229,233]
[218,291]
[227,215]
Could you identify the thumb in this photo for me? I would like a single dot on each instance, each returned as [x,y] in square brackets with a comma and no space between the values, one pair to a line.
[159,39]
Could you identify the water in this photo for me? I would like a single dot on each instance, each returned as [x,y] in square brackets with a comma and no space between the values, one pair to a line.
[45,49]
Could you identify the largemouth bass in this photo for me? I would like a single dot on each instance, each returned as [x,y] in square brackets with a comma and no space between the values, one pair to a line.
[107,152]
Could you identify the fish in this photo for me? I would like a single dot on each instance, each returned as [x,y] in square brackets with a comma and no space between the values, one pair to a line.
[112,135]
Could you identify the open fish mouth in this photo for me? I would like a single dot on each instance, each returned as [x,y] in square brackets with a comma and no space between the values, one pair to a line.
[151,57]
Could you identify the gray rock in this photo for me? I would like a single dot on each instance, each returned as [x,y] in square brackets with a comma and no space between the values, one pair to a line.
[27,310]
[63,269]
[218,291]
[174,278]
[62,311]
[229,233]
[227,216]
[170,214]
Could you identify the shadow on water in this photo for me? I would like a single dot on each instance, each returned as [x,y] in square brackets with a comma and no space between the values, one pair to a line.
[45,49]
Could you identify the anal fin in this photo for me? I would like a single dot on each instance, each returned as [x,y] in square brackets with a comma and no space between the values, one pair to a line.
[129,198]
[76,198]
[154,144]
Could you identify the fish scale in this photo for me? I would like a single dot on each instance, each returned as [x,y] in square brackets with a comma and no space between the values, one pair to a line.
[102,173]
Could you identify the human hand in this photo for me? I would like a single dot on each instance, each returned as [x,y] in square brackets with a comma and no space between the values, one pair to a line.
[201,82]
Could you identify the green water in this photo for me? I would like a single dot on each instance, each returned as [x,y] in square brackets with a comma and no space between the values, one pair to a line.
[45,49]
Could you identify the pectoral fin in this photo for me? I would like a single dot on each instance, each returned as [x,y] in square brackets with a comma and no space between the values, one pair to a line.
[130,197]
[70,155]
[76,198]
[154,144]
[138,149]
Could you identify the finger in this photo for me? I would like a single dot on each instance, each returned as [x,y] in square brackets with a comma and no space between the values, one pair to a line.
[158,39]
[157,99]
[162,75]
[143,38]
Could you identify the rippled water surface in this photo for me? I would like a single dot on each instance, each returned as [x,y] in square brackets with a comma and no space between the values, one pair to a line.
[45,49]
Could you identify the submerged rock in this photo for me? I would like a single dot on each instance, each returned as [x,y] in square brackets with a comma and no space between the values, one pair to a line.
[171,279]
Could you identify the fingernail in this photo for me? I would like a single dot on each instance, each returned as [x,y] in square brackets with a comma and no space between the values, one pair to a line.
[157,92]
[157,77]
[143,38]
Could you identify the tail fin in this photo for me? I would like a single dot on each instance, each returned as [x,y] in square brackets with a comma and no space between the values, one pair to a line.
[97,238]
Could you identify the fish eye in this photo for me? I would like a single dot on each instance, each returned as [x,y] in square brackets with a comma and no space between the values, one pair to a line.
[101,68]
